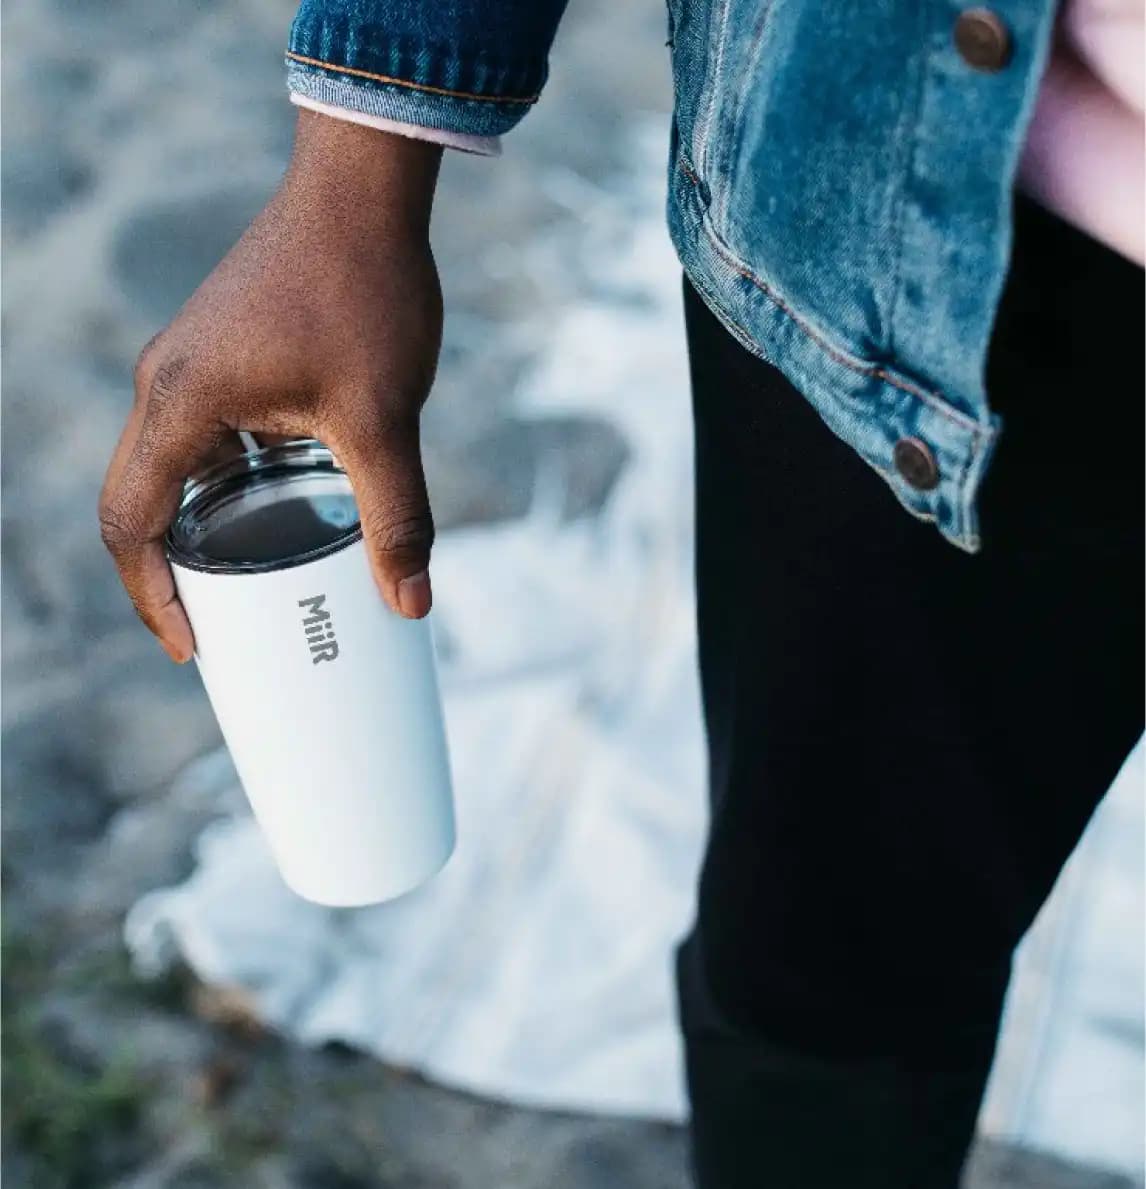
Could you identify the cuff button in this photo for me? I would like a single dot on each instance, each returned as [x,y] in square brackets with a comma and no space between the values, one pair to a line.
[916,464]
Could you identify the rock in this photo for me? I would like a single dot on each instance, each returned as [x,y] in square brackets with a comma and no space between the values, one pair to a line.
[149,845]
[52,800]
[39,180]
[165,249]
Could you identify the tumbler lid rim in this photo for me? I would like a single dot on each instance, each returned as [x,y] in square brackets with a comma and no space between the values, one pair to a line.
[224,480]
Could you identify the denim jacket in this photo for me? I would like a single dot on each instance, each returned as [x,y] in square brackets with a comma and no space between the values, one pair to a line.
[840,184]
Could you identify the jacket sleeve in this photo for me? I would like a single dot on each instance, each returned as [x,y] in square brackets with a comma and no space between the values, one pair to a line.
[467,66]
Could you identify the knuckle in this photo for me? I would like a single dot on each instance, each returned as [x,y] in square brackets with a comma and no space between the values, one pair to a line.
[163,380]
[116,530]
[146,364]
[402,533]
[169,383]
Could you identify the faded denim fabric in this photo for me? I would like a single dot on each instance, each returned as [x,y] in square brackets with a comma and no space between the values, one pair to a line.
[471,66]
[839,189]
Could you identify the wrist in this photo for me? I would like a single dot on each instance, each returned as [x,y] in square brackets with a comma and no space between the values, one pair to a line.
[364,173]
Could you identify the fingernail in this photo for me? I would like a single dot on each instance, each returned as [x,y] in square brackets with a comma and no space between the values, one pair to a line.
[414,595]
[178,655]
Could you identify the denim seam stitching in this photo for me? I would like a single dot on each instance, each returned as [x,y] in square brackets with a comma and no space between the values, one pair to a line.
[704,124]
[933,400]
[401,82]
[966,489]
[889,476]
[961,488]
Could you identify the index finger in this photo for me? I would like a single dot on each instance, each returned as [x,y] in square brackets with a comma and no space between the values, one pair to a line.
[139,500]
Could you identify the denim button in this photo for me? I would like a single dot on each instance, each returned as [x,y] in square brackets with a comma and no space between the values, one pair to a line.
[915,462]
[983,40]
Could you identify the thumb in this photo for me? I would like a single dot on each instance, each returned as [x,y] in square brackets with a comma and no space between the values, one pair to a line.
[385,471]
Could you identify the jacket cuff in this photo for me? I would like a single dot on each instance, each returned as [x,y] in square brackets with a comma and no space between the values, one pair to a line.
[403,102]
[471,66]
[481,146]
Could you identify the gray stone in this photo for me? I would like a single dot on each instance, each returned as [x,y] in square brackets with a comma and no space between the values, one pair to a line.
[52,798]
[494,476]
[163,251]
[40,180]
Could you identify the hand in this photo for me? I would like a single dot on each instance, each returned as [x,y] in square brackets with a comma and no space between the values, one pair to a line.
[323,321]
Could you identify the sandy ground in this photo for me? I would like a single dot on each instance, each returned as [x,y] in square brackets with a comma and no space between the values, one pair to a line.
[139,138]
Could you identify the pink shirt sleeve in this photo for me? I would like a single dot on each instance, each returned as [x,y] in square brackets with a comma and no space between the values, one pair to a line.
[483,146]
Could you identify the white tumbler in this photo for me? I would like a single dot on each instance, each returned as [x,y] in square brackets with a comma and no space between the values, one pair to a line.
[326,698]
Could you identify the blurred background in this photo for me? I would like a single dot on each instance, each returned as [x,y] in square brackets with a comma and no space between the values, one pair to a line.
[172,1016]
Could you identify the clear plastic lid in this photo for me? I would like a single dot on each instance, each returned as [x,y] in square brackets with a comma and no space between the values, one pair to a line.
[266,510]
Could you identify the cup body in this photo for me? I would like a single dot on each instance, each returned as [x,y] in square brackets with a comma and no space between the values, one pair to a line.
[327,700]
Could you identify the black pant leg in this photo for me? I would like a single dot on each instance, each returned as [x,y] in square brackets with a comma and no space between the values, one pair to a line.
[905,741]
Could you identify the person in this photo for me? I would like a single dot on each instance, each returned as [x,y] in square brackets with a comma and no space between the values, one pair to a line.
[914,309]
